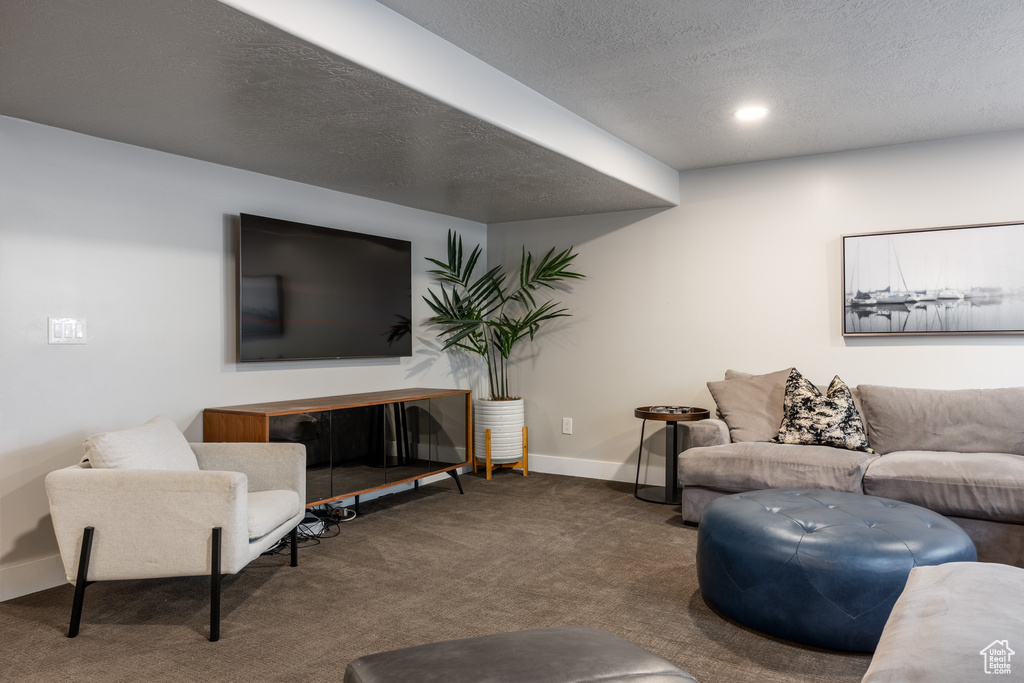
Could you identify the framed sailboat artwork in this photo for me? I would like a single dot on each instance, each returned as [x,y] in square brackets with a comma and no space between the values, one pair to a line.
[962,279]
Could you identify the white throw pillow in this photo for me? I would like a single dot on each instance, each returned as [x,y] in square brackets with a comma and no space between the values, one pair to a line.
[156,445]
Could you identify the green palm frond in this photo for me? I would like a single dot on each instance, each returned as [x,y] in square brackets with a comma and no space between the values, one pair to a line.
[485,315]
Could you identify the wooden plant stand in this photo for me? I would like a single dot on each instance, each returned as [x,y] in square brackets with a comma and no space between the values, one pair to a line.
[490,467]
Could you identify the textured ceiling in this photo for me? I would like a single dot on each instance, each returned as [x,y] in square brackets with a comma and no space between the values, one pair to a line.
[665,75]
[205,81]
[200,79]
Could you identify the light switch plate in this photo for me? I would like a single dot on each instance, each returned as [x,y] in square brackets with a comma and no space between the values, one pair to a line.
[66,330]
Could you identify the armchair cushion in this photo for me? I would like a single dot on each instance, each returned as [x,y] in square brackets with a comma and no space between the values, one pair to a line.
[266,510]
[156,445]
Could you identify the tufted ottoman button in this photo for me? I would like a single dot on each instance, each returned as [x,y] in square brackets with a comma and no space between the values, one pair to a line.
[818,567]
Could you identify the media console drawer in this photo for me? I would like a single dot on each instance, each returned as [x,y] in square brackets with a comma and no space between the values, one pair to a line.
[359,443]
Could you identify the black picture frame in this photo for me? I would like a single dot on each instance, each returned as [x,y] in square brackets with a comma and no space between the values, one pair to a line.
[954,280]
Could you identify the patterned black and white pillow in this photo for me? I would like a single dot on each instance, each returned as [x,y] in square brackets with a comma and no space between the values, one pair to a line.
[809,418]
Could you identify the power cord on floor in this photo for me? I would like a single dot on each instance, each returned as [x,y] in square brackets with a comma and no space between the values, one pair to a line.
[323,521]
[333,515]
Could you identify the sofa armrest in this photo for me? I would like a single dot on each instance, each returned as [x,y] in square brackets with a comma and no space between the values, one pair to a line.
[149,523]
[268,466]
[710,432]
[943,611]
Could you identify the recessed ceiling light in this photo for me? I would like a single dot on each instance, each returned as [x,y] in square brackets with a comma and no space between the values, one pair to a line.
[751,113]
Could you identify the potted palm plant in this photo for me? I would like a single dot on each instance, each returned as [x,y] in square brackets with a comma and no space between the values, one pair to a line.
[489,315]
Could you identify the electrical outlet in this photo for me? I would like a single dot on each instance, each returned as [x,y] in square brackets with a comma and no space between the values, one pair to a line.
[567,425]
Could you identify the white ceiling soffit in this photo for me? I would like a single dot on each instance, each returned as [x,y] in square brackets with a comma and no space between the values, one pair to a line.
[346,95]
[666,75]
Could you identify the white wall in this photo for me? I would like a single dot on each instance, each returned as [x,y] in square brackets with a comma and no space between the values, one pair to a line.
[746,274]
[138,243]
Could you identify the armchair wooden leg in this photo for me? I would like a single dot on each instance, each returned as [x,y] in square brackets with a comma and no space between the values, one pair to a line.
[215,587]
[294,538]
[81,582]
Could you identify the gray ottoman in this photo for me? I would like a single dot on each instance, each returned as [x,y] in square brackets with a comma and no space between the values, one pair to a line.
[818,567]
[562,654]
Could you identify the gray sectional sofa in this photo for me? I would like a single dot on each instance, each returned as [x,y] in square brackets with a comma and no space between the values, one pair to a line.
[953,622]
[957,452]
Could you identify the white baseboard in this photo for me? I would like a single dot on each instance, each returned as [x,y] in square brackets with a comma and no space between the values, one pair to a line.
[596,469]
[31,577]
[575,467]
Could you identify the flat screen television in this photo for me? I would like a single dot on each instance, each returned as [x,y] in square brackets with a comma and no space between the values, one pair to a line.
[307,292]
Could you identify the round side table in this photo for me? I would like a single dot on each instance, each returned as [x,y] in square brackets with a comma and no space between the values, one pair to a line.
[670,493]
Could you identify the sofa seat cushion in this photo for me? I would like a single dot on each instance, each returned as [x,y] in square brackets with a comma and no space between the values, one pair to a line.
[946,619]
[268,510]
[978,485]
[752,466]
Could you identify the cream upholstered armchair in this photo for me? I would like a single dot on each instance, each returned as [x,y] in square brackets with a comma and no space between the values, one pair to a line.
[144,503]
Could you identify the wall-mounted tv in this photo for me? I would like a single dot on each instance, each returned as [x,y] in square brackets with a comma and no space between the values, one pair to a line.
[307,293]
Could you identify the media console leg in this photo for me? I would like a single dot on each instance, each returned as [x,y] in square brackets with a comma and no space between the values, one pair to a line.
[454,474]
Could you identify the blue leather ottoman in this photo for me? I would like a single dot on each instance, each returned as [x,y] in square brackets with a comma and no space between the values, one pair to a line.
[818,567]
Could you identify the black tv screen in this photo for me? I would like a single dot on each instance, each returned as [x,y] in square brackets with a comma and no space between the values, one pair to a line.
[306,292]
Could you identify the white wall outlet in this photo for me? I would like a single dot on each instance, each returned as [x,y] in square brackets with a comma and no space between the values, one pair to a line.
[567,425]
[66,330]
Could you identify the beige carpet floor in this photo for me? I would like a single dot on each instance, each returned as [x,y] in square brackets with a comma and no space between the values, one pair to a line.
[417,567]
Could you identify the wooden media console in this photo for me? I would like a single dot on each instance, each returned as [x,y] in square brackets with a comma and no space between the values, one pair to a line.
[359,443]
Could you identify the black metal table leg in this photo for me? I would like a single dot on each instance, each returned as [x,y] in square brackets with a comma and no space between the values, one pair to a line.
[669,494]
[639,459]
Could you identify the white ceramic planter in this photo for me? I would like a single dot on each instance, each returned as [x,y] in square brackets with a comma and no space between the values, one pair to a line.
[506,420]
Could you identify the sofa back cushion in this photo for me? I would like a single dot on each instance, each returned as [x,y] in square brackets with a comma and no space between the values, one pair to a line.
[751,404]
[156,445]
[961,420]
